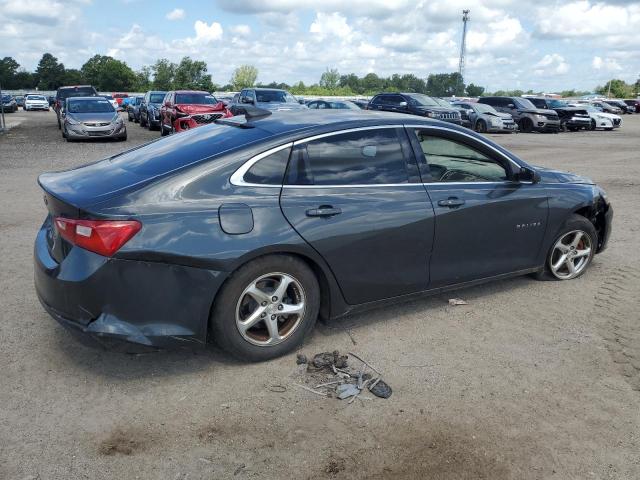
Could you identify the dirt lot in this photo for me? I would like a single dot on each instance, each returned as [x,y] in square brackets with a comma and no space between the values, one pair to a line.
[530,380]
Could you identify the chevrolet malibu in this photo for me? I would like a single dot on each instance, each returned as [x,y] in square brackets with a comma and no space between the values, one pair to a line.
[244,232]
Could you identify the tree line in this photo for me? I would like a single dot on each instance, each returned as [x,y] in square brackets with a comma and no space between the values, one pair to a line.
[108,74]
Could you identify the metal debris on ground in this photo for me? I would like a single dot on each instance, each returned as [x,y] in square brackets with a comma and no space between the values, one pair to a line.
[329,374]
[300,359]
[457,301]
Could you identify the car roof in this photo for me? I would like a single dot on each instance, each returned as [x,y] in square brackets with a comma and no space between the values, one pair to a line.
[85,98]
[192,91]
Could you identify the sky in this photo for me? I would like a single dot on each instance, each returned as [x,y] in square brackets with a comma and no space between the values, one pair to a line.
[544,45]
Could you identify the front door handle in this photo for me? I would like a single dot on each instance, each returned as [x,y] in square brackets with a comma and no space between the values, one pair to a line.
[323,211]
[451,202]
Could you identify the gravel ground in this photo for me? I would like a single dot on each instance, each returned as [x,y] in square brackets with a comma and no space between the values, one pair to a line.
[530,380]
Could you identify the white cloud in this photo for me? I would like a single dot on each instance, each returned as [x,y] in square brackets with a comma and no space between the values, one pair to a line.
[207,33]
[330,25]
[608,64]
[241,30]
[175,14]
[551,64]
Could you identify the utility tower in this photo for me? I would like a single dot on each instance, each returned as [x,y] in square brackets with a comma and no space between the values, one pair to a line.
[463,45]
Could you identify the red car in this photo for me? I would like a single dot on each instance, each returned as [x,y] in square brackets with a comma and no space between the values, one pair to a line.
[186,109]
[118,97]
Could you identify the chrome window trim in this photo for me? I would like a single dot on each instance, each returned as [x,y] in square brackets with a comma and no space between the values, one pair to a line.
[237,178]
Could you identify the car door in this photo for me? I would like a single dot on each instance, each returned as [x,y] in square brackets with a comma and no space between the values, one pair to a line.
[487,222]
[356,197]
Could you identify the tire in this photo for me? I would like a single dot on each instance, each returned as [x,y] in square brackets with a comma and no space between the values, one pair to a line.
[142,122]
[593,125]
[575,223]
[163,132]
[227,312]
[59,124]
[481,126]
[526,125]
[129,117]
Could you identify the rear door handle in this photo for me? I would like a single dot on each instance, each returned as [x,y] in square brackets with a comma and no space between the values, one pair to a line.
[451,202]
[323,211]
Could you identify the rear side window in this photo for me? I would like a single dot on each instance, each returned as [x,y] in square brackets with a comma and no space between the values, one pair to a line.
[269,170]
[538,102]
[366,157]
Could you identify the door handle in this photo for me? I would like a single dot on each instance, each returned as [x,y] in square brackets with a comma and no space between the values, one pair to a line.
[323,211]
[451,202]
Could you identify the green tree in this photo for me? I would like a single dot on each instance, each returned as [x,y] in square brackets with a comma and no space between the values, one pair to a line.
[244,76]
[24,79]
[372,83]
[474,90]
[108,74]
[192,75]
[330,79]
[445,85]
[8,70]
[143,79]
[352,82]
[619,89]
[163,73]
[50,72]
[73,76]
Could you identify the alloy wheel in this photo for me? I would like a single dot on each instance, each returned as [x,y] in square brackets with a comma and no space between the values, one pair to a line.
[270,309]
[570,255]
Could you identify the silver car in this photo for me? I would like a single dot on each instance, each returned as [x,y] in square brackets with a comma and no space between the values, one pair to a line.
[91,117]
[485,118]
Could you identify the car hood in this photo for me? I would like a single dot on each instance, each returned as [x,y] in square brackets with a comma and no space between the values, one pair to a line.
[194,109]
[280,106]
[92,117]
[537,111]
[549,175]
[610,116]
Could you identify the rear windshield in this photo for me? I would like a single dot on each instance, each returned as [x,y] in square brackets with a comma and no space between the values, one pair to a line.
[76,92]
[177,151]
[156,97]
[277,96]
[90,106]
[196,98]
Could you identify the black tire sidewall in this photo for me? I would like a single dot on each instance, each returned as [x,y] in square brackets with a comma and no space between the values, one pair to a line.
[575,222]
[222,321]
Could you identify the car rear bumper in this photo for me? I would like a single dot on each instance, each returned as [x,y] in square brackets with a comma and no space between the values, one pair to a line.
[125,304]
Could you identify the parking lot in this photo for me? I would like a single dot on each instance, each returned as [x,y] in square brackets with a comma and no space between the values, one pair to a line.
[530,380]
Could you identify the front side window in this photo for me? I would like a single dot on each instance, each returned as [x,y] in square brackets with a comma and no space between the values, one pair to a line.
[452,161]
[365,157]
[268,170]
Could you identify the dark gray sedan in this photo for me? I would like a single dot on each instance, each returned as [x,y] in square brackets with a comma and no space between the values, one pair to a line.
[91,117]
[244,232]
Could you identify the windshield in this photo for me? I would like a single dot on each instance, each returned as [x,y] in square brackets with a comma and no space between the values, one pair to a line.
[276,96]
[484,108]
[36,97]
[108,97]
[423,100]
[157,97]
[524,103]
[442,102]
[196,99]
[591,108]
[6,98]
[557,104]
[90,106]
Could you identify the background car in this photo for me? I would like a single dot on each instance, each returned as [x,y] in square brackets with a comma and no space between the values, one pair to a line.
[600,118]
[415,104]
[186,109]
[9,104]
[35,102]
[112,101]
[634,104]
[20,100]
[624,108]
[362,104]
[332,105]
[91,117]
[133,108]
[484,118]
[606,107]
[75,91]
[527,116]
[52,100]
[571,118]
[119,97]
[245,233]
[149,111]
[267,99]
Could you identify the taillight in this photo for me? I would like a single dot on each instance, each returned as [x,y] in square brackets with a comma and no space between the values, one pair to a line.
[104,237]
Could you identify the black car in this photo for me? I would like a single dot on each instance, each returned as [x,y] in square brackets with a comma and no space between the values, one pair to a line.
[133,108]
[625,107]
[9,104]
[52,100]
[571,118]
[245,231]
[634,104]
[415,104]
[75,91]
[149,111]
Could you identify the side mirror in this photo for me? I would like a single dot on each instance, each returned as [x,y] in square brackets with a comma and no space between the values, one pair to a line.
[511,105]
[527,174]
[403,104]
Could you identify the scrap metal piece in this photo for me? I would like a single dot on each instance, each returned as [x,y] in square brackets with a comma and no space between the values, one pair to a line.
[346,390]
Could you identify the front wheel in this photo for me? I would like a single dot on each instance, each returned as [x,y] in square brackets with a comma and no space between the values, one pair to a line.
[481,126]
[266,308]
[572,251]
[526,125]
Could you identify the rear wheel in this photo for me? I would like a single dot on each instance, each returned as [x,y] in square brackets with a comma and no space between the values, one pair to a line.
[266,308]
[143,122]
[572,251]
[526,125]
[481,126]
